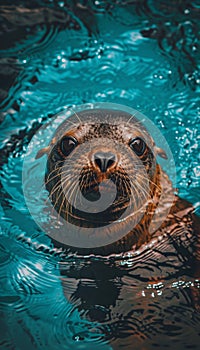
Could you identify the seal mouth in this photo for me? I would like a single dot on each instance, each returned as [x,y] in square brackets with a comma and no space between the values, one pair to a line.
[91,193]
[94,191]
[98,198]
[92,181]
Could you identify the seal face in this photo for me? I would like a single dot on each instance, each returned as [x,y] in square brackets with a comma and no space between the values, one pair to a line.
[109,154]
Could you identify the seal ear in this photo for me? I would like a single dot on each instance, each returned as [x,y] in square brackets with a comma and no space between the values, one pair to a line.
[41,152]
[45,150]
[160,152]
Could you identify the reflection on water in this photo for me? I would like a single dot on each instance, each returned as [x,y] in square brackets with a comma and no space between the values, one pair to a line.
[142,54]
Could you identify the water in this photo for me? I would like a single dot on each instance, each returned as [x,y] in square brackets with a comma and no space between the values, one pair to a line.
[142,54]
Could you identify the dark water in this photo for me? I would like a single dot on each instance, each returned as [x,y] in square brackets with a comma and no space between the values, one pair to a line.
[143,54]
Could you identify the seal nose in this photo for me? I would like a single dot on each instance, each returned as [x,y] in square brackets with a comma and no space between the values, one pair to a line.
[104,160]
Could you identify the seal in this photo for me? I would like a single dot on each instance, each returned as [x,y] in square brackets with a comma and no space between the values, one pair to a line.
[109,148]
[101,148]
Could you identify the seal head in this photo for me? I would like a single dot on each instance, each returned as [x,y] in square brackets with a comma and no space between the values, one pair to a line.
[105,154]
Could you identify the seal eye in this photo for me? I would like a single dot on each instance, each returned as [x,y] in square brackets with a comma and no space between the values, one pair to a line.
[67,144]
[138,146]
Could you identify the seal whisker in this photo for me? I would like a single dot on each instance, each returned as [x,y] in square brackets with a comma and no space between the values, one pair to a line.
[61,206]
[75,190]
[135,198]
[56,187]
[136,122]
[64,170]
[52,178]
[143,192]
[64,196]
[79,119]
[58,194]
[49,175]
[57,200]
[69,121]
[69,205]
[53,189]
[60,173]
[152,182]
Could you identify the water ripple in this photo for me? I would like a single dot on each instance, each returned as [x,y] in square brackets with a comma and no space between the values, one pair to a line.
[142,54]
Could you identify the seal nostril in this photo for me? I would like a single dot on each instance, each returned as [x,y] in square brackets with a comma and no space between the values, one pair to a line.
[110,162]
[104,160]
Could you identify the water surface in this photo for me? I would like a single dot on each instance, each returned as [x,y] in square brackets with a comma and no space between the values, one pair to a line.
[142,54]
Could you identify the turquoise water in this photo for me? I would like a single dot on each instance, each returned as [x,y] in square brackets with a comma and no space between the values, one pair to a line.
[142,54]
